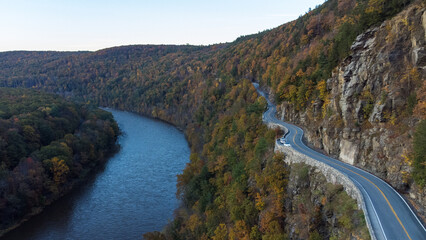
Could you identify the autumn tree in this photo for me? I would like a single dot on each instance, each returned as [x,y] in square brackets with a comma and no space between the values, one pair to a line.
[59,170]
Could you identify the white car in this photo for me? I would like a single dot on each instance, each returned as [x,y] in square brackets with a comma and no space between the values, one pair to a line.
[282,140]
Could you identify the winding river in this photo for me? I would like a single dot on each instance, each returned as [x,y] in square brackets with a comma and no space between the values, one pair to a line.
[132,195]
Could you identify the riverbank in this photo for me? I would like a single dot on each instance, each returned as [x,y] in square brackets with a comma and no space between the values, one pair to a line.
[133,194]
[70,186]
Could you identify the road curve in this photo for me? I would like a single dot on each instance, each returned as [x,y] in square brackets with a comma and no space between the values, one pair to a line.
[388,212]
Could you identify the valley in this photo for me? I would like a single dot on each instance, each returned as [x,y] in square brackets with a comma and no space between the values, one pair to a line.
[350,73]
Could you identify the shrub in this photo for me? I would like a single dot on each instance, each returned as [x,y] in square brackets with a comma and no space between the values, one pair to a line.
[419,164]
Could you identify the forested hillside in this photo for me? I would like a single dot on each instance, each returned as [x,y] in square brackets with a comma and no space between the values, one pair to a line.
[234,183]
[47,144]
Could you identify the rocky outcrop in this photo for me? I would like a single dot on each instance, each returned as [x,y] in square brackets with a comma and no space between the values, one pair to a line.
[348,151]
[369,121]
[314,204]
[330,174]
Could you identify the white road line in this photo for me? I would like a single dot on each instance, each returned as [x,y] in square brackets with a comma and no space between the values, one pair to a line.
[381,180]
[272,110]
[374,209]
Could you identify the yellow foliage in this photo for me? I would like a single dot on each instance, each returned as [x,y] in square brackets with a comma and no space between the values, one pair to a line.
[415,75]
[325,106]
[291,93]
[346,19]
[220,164]
[46,110]
[407,159]
[221,232]
[194,222]
[405,176]
[300,73]
[322,88]
[30,133]
[366,94]
[375,6]
[239,232]
[60,170]
[304,39]
[260,205]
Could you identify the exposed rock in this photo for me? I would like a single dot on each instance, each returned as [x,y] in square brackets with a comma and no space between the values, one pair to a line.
[348,151]
[371,126]
[311,203]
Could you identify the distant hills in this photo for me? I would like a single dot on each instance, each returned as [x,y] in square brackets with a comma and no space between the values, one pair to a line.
[206,91]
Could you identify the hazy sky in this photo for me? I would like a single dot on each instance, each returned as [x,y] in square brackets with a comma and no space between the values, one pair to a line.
[96,24]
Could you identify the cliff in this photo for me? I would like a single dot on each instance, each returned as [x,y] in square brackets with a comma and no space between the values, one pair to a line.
[234,186]
[373,105]
[313,204]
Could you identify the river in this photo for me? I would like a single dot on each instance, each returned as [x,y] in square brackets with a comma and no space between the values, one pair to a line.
[132,195]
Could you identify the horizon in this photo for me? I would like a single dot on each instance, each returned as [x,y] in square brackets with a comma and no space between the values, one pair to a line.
[45,25]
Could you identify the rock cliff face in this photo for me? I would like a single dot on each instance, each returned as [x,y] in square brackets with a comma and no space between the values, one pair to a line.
[369,120]
[314,206]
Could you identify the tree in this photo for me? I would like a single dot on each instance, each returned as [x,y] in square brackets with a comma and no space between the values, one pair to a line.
[322,88]
[419,164]
[375,6]
[59,169]
[221,232]
[44,142]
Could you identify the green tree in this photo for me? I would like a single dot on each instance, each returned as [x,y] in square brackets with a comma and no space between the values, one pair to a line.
[419,164]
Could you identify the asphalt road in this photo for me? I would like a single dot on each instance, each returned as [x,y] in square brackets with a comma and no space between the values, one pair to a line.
[389,213]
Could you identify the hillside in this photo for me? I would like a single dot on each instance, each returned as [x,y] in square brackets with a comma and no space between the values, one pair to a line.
[47,145]
[373,103]
[207,91]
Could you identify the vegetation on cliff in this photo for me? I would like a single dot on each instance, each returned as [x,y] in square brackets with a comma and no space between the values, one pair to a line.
[368,110]
[322,207]
[419,162]
[46,145]
[234,186]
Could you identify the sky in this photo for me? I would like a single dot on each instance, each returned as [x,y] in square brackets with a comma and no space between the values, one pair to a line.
[71,25]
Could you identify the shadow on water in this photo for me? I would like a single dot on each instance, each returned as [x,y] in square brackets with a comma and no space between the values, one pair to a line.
[56,216]
[133,194]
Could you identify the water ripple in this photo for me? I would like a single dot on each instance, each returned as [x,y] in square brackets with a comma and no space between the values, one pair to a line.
[134,194]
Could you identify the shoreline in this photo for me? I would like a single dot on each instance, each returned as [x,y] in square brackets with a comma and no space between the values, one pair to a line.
[70,187]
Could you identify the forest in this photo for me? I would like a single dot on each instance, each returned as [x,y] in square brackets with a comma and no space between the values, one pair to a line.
[47,145]
[234,186]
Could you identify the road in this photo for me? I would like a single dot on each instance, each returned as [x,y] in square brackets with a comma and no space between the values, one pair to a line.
[389,214]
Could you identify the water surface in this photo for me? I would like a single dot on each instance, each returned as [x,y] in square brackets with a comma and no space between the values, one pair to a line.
[134,194]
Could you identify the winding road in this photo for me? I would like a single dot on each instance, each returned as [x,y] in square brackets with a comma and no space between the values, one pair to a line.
[389,214]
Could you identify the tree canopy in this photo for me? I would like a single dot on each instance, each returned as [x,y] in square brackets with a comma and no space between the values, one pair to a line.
[46,145]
